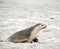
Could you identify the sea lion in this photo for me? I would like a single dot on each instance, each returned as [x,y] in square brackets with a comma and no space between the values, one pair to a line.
[27,35]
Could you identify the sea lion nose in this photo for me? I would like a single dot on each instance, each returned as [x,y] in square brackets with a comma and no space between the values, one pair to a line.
[45,26]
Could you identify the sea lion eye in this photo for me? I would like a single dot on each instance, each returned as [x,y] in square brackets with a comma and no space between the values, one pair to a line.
[42,25]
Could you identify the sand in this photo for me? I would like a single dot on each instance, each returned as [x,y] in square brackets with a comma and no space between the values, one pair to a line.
[16,15]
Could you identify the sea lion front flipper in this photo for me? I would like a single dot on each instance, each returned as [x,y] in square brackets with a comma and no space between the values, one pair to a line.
[35,40]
